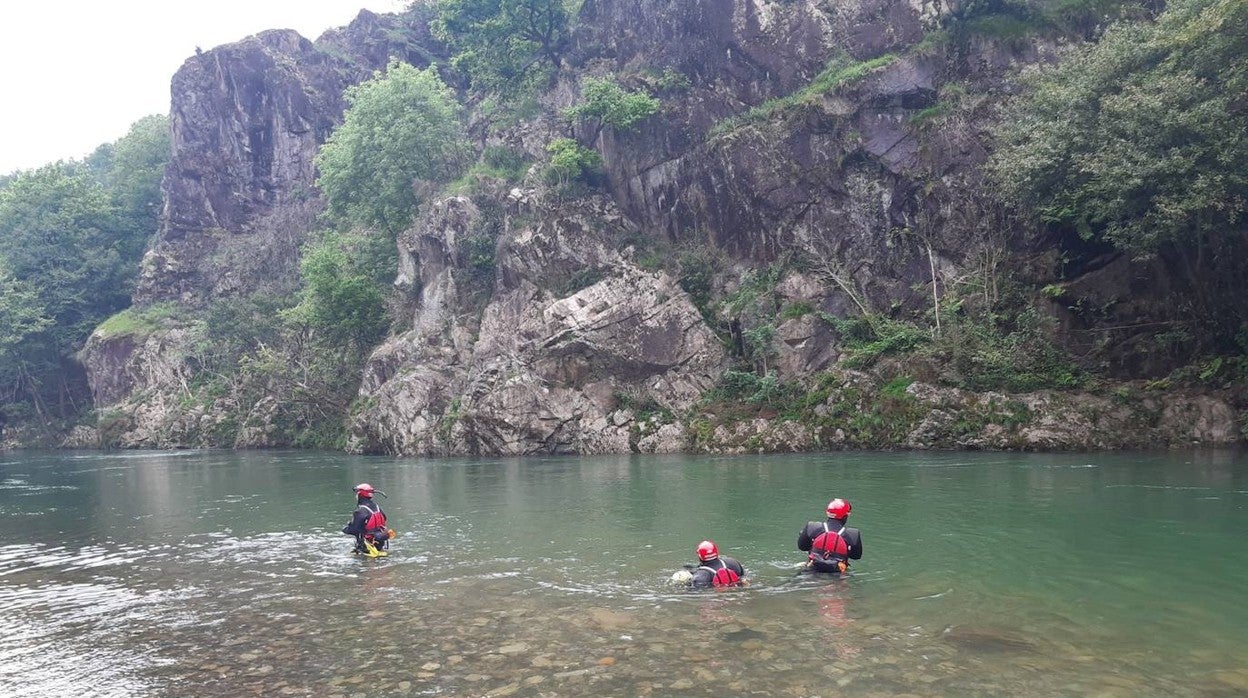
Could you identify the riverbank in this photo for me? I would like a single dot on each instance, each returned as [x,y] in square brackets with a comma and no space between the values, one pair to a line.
[835,410]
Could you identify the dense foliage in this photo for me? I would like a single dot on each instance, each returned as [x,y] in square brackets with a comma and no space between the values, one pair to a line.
[71,235]
[1142,138]
[402,127]
[343,297]
[502,45]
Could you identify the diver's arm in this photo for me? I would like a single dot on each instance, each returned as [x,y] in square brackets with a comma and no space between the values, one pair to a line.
[358,519]
[804,541]
[855,543]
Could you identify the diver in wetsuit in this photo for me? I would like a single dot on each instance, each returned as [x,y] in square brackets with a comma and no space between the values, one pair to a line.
[715,571]
[368,523]
[831,544]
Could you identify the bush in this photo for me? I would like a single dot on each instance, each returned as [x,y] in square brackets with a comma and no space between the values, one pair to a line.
[1018,356]
[571,163]
[1131,139]
[342,296]
[612,105]
[867,339]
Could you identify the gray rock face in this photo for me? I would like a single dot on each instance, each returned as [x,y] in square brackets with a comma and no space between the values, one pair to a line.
[534,330]
[1050,421]
[545,366]
[843,177]
[247,119]
[246,122]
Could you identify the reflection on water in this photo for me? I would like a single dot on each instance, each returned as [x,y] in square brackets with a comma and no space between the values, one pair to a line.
[191,574]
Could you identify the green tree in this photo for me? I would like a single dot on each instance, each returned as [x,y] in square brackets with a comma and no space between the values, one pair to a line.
[71,235]
[571,162]
[504,44]
[1142,138]
[609,104]
[60,233]
[138,165]
[21,315]
[341,296]
[402,126]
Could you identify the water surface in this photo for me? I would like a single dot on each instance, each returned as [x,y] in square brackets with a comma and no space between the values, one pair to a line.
[985,574]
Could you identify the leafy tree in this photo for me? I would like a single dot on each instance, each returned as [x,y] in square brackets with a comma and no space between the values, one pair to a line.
[71,235]
[402,126]
[1142,138]
[504,44]
[21,315]
[571,162]
[61,234]
[611,105]
[137,167]
[342,297]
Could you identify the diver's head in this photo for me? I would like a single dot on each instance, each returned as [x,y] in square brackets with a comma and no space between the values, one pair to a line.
[364,490]
[838,509]
[707,551]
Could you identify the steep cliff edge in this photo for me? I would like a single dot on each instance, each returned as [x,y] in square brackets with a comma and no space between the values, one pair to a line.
[247,120]
[813,163]
[240,200]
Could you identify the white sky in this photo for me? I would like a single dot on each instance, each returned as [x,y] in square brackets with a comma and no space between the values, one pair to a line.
[76,73]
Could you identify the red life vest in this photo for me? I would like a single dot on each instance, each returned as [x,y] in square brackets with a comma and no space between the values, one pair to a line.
[724,576]
[376,522]
[830,546]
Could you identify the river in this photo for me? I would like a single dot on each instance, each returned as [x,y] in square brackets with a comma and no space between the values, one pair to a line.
[218,573]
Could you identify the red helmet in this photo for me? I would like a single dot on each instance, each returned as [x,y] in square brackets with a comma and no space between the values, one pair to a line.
[707,551]
[838,508]
[364,489]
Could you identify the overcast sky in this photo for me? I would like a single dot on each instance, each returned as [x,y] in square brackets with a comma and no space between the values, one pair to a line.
[77,73]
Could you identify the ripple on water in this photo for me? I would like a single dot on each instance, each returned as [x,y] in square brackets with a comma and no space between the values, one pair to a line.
[76,606]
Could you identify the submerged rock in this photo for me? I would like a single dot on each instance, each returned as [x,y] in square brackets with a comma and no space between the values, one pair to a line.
[987,640]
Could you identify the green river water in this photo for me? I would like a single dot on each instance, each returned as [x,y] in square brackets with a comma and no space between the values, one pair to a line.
[225,574]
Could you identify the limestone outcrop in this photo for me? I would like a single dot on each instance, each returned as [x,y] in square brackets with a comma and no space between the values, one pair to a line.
[824,141]
[571,334]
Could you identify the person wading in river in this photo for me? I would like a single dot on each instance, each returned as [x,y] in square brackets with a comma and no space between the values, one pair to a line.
[831,544]
[368,523]
[715,571]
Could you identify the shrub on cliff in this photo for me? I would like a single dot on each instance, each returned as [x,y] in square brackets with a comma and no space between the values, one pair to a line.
[402,127]
[342,300]
[609,104]
[572,165]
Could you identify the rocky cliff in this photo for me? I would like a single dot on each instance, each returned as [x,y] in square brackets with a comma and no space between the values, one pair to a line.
[240,200]
[833,149]
[247,120]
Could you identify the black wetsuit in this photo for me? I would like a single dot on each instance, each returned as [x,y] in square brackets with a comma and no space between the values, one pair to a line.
[365,506]
[704,574]
[851,536]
